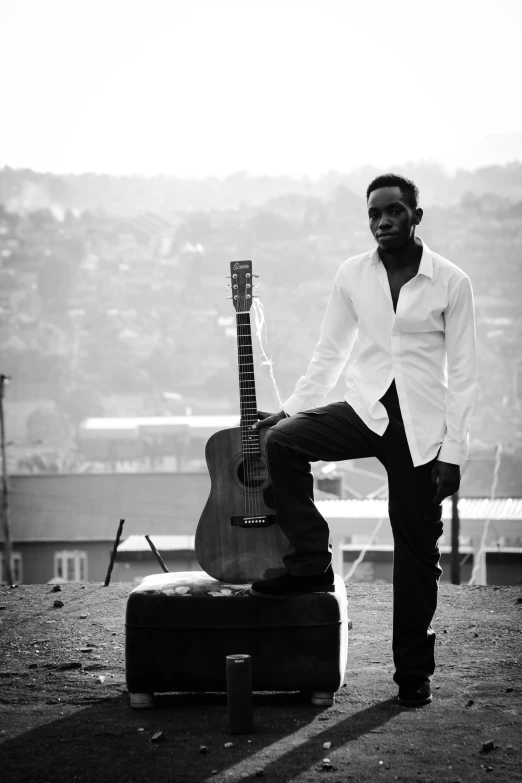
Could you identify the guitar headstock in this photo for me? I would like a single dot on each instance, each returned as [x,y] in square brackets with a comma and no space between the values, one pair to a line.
[242,285]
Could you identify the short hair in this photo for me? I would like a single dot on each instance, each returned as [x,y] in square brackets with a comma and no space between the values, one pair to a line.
[409,189]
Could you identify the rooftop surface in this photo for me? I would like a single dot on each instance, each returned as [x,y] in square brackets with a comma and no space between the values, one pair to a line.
[65,711]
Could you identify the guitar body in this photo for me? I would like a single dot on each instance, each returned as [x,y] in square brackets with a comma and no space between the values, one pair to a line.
[238,539]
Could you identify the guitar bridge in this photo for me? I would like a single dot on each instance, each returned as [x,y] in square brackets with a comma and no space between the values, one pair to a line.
[262,520]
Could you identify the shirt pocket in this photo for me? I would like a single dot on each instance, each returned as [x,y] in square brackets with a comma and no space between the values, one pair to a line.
[422,311]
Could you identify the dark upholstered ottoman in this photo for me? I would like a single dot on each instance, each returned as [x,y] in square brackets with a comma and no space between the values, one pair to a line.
[181,626]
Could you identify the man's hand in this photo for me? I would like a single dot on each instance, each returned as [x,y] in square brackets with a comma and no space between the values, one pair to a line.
[447,477]
[268,419]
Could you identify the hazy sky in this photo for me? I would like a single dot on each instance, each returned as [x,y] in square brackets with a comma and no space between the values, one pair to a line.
[209,87]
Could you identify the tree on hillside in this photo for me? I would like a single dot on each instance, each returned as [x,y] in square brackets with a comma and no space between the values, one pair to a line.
[56,282]
[270,227]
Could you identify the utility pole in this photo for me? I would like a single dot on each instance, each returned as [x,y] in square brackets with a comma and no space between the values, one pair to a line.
[455,534]
[8,549]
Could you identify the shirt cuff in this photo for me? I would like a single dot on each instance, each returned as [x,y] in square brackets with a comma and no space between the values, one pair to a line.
[295,404]
[454,453]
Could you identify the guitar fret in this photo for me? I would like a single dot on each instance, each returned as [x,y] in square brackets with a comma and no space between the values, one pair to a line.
[247,387]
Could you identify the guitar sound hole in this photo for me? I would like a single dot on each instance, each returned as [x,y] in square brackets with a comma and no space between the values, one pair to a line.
[251,473]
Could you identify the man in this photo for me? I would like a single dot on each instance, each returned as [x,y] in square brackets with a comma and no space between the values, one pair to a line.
[404,317]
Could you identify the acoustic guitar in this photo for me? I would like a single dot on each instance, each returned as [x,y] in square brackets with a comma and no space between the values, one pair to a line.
[238,539]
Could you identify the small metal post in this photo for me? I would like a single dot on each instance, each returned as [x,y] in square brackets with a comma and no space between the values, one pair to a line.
[455,535]
[8,549]
[159,557]
[114,551]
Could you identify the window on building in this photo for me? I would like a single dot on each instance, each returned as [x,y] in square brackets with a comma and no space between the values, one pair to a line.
[70,565]
[16,568]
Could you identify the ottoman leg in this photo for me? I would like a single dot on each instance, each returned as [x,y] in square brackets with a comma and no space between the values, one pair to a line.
[141,701]
[323,698]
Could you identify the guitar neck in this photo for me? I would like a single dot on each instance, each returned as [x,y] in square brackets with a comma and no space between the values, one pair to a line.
[247,384]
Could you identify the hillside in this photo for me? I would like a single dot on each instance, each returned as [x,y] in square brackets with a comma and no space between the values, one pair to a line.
[24,189]
[102,314]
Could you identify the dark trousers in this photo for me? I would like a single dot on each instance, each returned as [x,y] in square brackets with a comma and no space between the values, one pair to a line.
[335,432]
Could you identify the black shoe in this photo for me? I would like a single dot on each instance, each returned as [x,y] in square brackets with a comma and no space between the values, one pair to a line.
[414,692]
[288,585]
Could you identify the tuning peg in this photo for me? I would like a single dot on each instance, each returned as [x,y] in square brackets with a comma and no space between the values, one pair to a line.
[255,275]
[229,276]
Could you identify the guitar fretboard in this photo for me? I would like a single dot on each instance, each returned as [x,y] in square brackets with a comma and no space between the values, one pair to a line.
[247,385]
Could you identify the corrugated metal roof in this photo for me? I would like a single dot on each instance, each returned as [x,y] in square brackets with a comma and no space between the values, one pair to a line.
[469,508]
[162,543]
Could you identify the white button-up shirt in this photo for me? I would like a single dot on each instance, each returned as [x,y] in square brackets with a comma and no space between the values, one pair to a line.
[427,346]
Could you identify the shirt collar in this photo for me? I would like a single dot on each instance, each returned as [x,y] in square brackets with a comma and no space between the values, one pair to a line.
[426,263]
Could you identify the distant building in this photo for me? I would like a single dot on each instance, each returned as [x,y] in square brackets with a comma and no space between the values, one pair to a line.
[149,442]
[63,528]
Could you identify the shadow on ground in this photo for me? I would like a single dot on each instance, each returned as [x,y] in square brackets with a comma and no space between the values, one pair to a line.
[111,742]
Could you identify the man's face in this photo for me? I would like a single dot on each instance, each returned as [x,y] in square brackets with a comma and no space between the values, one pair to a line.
[392,219]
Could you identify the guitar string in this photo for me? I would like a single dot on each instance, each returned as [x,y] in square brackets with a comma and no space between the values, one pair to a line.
[244,400]
[249,462]
[243,344]
[252,457]
[251,444]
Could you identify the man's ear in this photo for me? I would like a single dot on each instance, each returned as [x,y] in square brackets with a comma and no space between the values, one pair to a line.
[418,215]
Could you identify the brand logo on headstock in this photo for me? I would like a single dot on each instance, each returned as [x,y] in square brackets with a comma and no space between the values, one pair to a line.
[240,266]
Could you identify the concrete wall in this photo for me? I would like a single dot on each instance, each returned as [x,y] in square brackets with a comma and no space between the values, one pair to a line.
[89,506]
[38,559]
[378,567]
